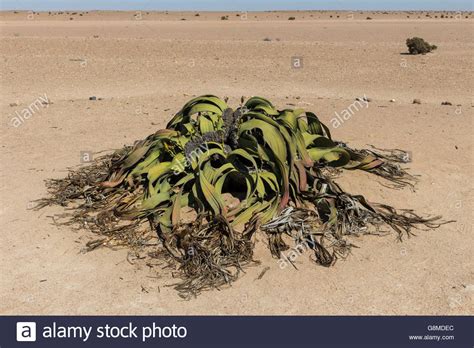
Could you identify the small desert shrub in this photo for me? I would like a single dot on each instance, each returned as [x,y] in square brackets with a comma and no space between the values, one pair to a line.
[417,45]
[224,18]
[291,18]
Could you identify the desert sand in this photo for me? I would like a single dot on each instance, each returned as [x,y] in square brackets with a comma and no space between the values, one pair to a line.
[142,67]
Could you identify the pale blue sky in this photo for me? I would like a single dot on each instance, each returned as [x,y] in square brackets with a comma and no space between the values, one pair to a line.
[236,5]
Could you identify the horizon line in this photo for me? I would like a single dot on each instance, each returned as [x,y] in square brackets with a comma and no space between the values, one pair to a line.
[236,11]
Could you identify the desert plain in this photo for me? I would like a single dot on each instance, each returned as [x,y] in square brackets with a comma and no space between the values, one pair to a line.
[75,83]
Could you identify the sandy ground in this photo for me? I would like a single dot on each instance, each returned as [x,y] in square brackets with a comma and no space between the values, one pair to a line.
[145,69]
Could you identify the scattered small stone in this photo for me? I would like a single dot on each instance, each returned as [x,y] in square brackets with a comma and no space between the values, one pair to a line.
[392,100]
[265,270]
[267,39]
[416,101]
[13,104]
[456,147]
[93,98]
[446,103]
[364,99]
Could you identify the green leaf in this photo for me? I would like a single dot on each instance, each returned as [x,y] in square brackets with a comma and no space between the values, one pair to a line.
[210,195]
[257,101]
[204,107]
[336,157]
[271,135]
